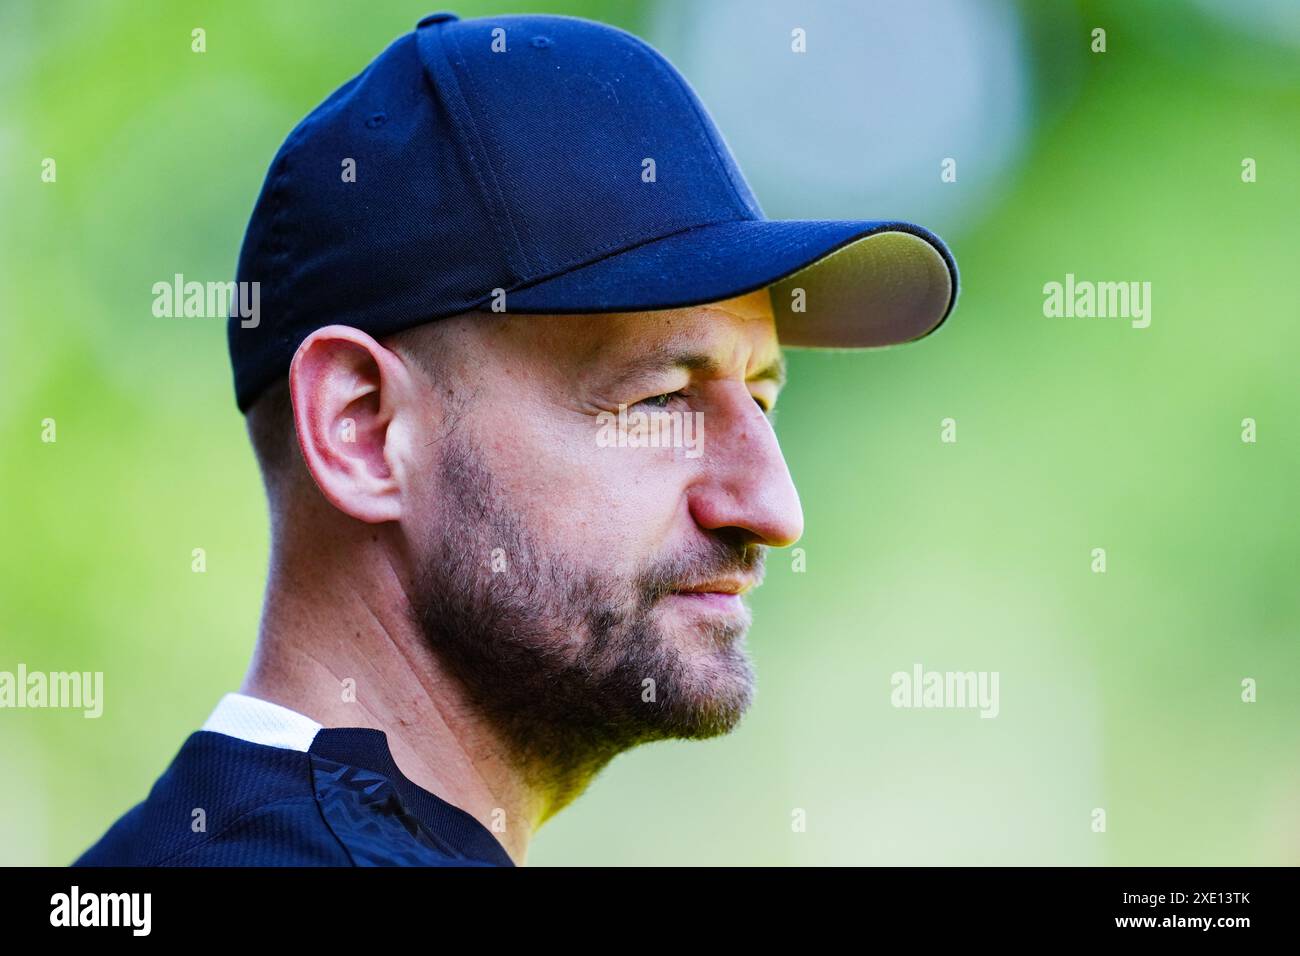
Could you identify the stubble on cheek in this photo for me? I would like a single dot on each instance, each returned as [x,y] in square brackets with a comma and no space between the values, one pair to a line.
[558,643]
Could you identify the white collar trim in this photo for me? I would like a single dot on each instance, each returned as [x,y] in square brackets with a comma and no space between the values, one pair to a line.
[262,722]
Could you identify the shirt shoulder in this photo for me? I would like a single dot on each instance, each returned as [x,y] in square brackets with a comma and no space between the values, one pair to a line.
[223,801]
[227,801]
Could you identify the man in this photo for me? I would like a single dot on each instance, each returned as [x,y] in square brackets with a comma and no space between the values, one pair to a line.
[520,333]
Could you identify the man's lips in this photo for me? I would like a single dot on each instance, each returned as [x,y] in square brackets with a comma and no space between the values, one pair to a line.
[721,595]
[721,586]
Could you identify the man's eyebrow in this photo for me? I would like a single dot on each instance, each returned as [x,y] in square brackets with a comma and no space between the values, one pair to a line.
[666,357]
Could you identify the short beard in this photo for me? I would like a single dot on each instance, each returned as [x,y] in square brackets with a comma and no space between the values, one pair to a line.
[560,660]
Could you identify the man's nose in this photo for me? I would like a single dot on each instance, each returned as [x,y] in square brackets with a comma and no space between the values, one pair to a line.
[745,483]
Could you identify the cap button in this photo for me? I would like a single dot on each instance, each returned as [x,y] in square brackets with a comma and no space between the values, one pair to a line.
[437,18]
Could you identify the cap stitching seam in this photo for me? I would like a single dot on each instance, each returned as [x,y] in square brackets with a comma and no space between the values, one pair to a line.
[621,244]
[533,271]
[485,177]
[613,248]
[706,126]
[281,227]
[880,227]
[437,67]
[485,140]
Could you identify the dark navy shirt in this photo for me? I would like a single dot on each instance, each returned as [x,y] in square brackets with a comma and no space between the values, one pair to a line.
[342,802]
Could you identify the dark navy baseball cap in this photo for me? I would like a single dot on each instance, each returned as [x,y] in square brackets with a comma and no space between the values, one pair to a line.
[553,165]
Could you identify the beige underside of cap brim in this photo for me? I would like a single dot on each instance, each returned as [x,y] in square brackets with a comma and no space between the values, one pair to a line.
[880,290]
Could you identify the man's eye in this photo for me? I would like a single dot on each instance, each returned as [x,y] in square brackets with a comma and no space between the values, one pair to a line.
[661,401]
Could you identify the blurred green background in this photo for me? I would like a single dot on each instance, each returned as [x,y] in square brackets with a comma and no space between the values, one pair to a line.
[1119,691]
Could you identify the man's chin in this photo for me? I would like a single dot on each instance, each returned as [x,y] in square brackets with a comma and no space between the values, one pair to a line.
[712,684]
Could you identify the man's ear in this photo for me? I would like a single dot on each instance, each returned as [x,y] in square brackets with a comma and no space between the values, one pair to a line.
[346,390]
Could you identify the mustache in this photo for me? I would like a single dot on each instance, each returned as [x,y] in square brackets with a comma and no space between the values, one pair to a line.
[720,557]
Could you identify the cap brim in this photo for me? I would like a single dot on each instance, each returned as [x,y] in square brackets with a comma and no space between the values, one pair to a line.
[865,284]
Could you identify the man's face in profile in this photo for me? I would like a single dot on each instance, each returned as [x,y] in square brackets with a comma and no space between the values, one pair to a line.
[589,592]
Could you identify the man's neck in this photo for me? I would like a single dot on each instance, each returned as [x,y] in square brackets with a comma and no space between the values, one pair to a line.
[340,648]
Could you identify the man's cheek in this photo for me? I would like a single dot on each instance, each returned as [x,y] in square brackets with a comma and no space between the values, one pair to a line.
[609,507]
[547,481]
